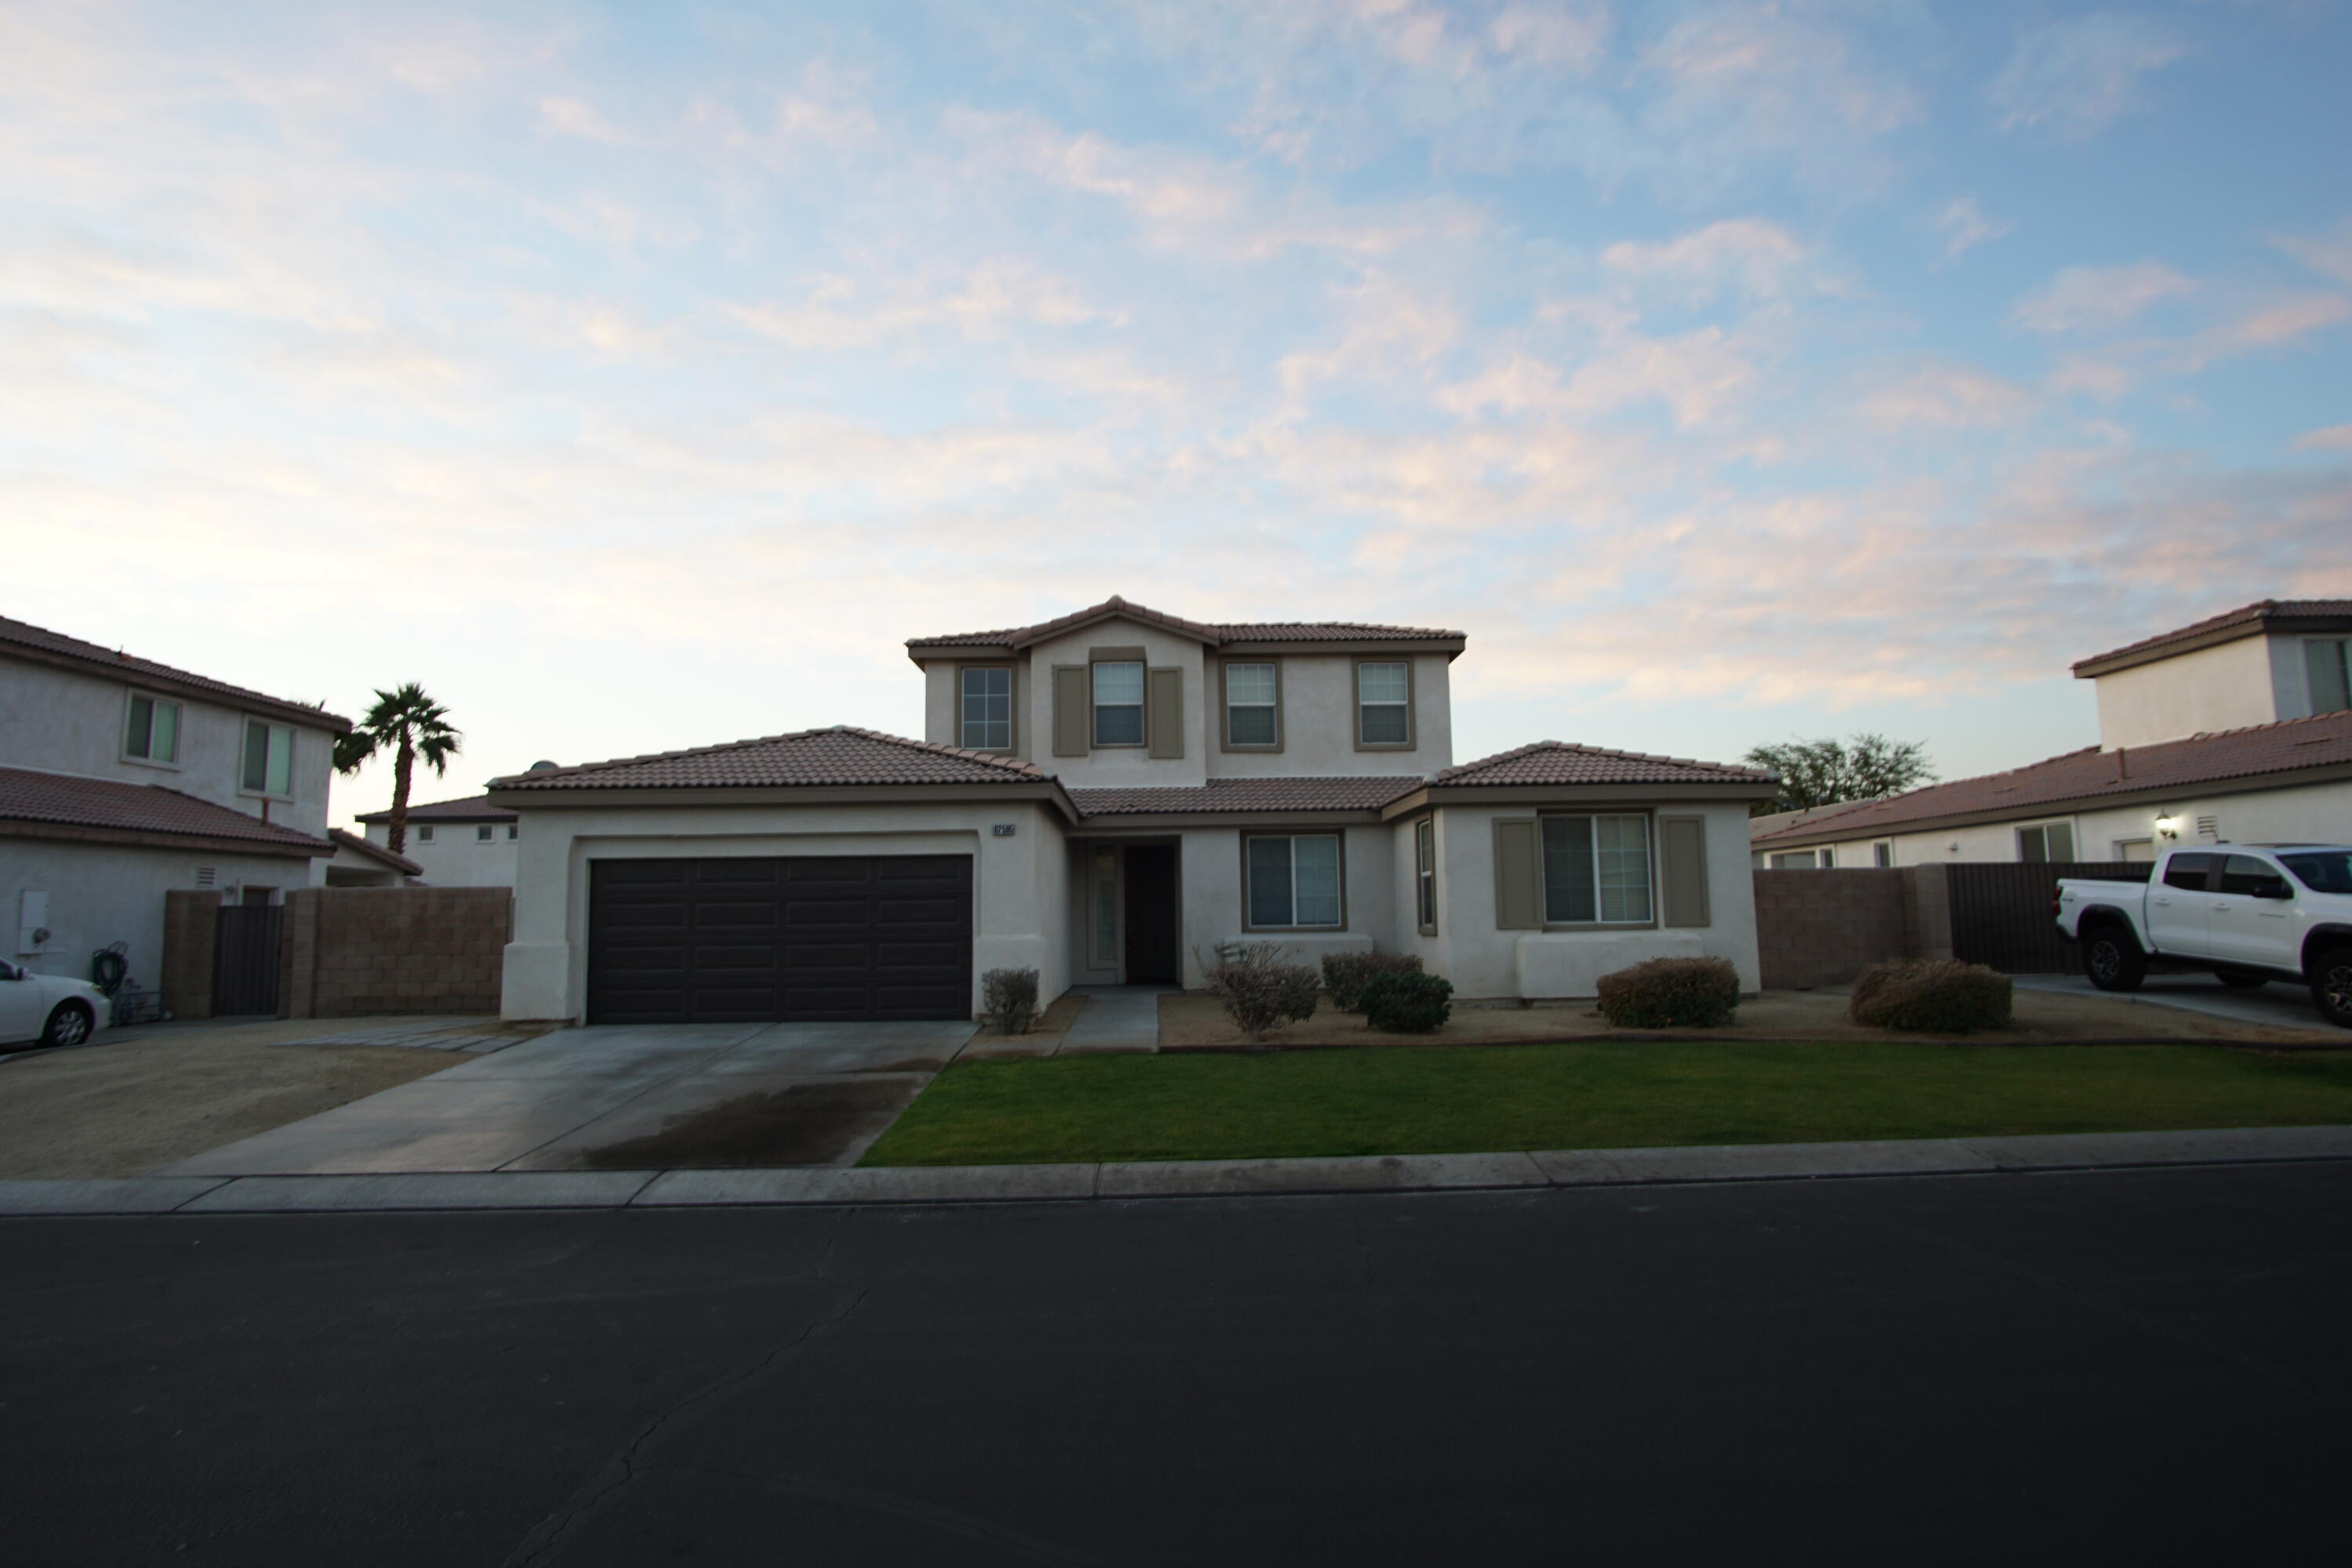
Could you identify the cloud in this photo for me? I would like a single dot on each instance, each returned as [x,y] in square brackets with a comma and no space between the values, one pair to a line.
[849,310]
[1946,396]
[2330,254]
[1963,226]
[1753,255]
[2097,299]
[2334,438]
[2080,74]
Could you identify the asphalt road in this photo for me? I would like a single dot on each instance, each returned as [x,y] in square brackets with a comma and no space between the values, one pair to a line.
[2146,1367]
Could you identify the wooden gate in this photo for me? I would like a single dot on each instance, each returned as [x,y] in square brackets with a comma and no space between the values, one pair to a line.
[2002,914]
[245,960]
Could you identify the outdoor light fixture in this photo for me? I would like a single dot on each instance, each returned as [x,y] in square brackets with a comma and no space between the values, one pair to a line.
[2167,822]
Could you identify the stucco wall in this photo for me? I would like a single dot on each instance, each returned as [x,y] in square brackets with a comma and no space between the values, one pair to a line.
[66,721]
[1117,765]
[456,857]
[546,964]
[1213,910]
[1318,721]
[2320,813]
[1485,962]
[104,893]
[2225,687]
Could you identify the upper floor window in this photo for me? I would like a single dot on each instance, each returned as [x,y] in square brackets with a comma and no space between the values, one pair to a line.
[2046,842]
[269,758]
[2324,660]
[424,834]
[1118,702]
[985,696]
[514,830]
[482,834]
[1882,853]
[1596,870]
[1250,690]
[153,732]
[1384,704]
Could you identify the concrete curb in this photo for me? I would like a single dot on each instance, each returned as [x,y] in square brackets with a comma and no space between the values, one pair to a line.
[511,1190]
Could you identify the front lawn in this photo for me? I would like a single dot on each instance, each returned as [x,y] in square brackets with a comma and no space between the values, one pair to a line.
[1595,1096]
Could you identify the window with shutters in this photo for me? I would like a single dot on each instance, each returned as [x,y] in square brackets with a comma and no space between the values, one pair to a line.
[1291,881]
[1596,869]
[1118,702]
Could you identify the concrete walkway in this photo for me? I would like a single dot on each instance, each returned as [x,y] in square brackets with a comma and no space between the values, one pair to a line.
[383,1193]
[1116,1018]
[562,1101]
[2281,1005]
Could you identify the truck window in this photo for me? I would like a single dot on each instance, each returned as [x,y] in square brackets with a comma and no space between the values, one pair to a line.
[2190,872]
[2322,871]
[2245,874]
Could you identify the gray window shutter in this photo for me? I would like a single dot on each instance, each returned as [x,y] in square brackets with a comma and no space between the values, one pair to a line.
[1163,715]
[1681,869]
[1073,725]
[1519,892]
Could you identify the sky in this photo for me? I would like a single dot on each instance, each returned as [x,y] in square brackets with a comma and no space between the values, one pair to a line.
[641,377]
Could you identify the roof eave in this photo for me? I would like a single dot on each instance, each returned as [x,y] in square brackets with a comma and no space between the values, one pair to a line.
[243,701]
[1576,794]
[143,838]
[585,796]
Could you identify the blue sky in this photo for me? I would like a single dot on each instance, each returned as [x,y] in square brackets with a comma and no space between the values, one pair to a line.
[641,377]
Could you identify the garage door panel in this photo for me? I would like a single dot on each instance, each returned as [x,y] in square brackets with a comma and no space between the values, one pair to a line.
[823,938]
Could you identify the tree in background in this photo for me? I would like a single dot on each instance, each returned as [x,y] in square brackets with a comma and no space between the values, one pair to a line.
[409,725]
[1830,772]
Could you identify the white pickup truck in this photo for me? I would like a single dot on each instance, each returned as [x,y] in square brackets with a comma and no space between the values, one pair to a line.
[2249,913]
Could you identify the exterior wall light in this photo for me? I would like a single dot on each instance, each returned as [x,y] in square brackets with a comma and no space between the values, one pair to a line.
[2167,822]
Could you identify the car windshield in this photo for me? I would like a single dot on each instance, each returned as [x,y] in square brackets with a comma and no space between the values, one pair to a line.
[2322,871]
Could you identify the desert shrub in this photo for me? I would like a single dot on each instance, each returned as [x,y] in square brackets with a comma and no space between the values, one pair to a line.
[1008,999]
[1672,994]
[1345,974]
[1257,989]
[1407,1002]
[1936,996]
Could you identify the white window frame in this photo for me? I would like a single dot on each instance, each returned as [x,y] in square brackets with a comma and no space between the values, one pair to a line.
[424,832]
[514,831]
[1094,705]
[1338,878]
[179,728]
[1882,854]
[965,722]
[1271,706]
[272,728]
[2073,844]
[1593,819]
[484,833]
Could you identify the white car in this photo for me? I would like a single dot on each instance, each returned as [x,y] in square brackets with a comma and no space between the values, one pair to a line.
[51,1008]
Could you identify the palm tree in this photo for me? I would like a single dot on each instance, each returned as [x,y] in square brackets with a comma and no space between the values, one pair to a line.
[410,725]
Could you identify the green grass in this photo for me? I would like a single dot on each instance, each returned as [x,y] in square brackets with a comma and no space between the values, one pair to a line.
[1588,1096]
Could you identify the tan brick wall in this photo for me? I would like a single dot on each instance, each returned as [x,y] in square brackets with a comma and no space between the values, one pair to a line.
[353,952]
[191,927]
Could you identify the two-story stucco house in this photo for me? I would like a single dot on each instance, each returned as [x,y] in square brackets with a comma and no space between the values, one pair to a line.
[122,778]
[466,842]
[1107,798]
[2237,728]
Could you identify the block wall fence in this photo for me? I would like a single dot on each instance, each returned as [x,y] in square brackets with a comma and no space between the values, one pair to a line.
[355,952]
[1823,928]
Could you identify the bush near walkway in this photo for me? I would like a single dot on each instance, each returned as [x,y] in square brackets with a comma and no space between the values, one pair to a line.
[1672,994]
[1257,989]
[1345,974]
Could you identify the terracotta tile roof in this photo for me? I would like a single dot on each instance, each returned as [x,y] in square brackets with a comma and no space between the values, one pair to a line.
[360,845]
[473,808]
[1268,795]
[1559,762]
[2088,775]
[2246,620]
[840,755]
[57,648]
[1209,632]
[70,801]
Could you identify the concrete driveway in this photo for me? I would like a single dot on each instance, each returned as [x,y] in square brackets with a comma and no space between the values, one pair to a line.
[2281,1005]
[613,1098]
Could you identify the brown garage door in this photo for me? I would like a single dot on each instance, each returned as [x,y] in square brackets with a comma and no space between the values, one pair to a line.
[809,939]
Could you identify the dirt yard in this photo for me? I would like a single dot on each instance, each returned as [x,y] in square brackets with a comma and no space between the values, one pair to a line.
[1194,1022]
[123,1107]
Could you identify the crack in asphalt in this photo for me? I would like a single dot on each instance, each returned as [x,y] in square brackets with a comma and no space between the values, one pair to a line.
[627,1465]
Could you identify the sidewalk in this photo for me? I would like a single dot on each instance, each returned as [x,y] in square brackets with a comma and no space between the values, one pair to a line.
[446,1191]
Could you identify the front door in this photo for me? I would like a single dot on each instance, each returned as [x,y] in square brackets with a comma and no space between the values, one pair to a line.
[1151,931]
[2247,929]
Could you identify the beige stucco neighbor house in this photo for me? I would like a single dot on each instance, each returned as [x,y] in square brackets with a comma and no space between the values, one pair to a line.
[2237,728]
[121,779]
[1107,798]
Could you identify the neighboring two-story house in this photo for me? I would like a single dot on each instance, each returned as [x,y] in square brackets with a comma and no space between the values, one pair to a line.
[2237,728]
[121,779]
[464,843]
[1108,798]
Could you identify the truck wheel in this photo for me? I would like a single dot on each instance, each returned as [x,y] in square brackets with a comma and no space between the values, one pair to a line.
[2112,960]
[2331,986]
[2241,979]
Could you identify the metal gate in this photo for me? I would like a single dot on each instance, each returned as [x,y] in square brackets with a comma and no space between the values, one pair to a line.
[245,959]
[2001,915]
